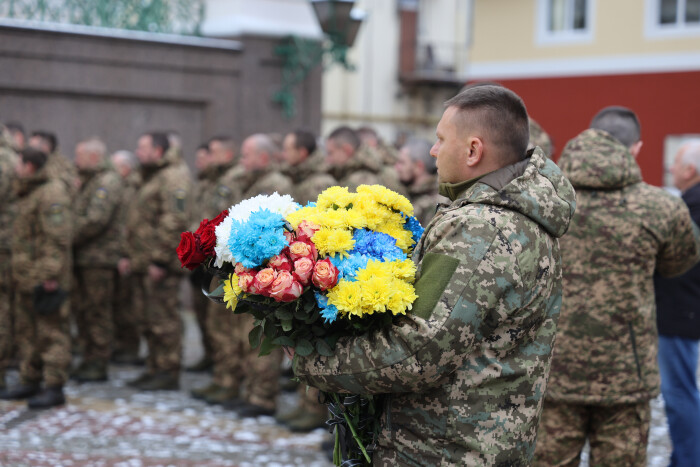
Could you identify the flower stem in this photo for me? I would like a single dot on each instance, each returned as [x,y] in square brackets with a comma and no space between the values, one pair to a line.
[352,429]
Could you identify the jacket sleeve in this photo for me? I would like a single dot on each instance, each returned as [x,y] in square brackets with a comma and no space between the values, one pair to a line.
[176,194]
[101,210]
[55,244]
[680,250]
[469,282]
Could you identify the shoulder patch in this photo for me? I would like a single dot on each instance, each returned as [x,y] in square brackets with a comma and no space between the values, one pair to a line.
[180,198]
[223,191]
[56,213]
[101,193]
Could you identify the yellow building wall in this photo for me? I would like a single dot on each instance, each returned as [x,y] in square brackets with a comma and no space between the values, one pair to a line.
[506,30]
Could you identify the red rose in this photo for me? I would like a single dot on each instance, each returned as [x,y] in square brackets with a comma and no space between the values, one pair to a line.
[325,275]
[300,249]
[303,268]
[285,288]
[245,282]
[219,219]
[280,263]
[202,225]
[189,253]
[263,280]
[207,240]
[306,230]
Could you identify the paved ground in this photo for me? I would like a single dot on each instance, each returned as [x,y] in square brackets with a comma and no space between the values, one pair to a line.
[109,424]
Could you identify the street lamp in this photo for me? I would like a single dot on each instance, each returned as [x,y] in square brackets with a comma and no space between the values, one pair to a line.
[340,24]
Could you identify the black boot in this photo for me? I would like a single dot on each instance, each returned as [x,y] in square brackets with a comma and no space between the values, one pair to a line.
[91,372]
[162,381]
[21,392]
[49,397]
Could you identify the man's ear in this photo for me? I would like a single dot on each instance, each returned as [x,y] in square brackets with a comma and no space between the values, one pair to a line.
[636,148]
[475,151]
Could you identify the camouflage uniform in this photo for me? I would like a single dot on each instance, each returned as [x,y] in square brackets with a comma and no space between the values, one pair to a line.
[309,178]
[155,221]
[539,137]
[465,372]
[605,358]
[425,197]
[365,168]
[59,167]
[8,160]
[126,321]
[96,247]
[41,251]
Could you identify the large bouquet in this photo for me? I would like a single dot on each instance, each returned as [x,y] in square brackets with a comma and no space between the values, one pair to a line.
[310,275]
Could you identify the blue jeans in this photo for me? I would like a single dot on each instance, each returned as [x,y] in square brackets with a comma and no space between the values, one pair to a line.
[678,362]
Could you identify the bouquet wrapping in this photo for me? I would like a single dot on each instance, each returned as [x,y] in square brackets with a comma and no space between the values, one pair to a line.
[310,275]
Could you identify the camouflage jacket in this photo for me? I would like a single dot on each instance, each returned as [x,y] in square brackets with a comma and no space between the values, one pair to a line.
[309,178]
[216,190]
[425,198]
[131,185]
[60,168]
[41,234]
[366,168]
[158,215]
[466,370]
[96,231]
[268,181]
[623,230]
[8,161]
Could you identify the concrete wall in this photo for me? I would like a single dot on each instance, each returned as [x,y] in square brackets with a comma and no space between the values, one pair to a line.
[79,81]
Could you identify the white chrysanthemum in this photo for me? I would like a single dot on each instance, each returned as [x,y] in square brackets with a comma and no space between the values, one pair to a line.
[280,204]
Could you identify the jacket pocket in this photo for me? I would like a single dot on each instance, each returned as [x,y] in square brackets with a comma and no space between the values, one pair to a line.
[633,339]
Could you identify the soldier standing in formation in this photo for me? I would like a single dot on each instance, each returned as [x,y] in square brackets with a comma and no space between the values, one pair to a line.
[464,374]
[305,166]
[41,276]
[604,370]
[96,251]
[154,223]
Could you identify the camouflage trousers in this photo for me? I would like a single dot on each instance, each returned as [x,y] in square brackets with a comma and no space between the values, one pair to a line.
[43,341]
[7,340]
[200,305]
[92,299]
[157,304]
[126,320]
[617,434]
[226,352]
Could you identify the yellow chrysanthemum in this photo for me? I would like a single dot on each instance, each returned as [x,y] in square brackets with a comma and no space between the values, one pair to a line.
[347,297]
[387,197]
[375,295]
[231,291]
[402,298]
[309,213]
[335,196]
[333,241]
[375,271]
[333,219]
[404,270]
[403,237]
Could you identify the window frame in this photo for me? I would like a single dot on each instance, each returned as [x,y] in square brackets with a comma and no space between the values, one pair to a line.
[570,36]
[655,30]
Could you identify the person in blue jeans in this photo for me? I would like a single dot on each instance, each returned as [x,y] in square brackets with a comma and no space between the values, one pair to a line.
[678,321]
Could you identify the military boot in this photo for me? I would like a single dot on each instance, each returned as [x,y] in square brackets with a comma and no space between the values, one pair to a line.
[162,381]
[221,396]
[135,383]
[203,392]
[49,397]
[247,410]
[308,421]
[205,364]
[91,372]
[124,357]
[21,392]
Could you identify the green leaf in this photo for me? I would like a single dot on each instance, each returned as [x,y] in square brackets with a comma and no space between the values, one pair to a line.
[303,347]
[323,348]
[254,336]
[318,330]
[286,325]
[283,314]
[266,347]
[284,340]
[270,329]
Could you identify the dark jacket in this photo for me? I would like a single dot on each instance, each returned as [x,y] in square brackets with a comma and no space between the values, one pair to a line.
[678,299]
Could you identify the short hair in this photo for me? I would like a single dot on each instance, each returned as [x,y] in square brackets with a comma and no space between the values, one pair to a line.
[174,139]
[127,157]
[225,140]
[502,116]
[49,138]
[691,153]
[419,150]
[304,139]
[36,157]
[95,145]
[345,134]
[15,127]
[159,139]
[621,122]
[204,146]
[264,144]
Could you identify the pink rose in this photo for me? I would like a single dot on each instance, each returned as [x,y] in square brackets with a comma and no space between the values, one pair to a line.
[285,288]
[239,269]
[289,236]
[303,268]
[306,230]
[280,263]
[301,249]
[325,275]
[245,282]
[263,280]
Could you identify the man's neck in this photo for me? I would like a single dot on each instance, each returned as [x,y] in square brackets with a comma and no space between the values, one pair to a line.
[691,183]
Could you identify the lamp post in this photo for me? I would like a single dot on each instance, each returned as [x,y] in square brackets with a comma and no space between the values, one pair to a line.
[340,24]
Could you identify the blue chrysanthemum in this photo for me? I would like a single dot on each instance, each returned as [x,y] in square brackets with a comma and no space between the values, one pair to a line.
[328,312]
[349,266]
[376,245]
[257,239]
[414,226]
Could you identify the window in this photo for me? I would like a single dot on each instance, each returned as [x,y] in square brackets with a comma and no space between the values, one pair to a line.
[673,17]
[562,21]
